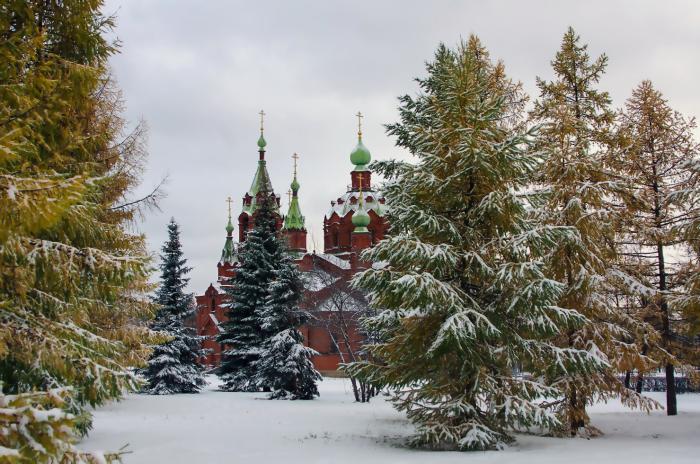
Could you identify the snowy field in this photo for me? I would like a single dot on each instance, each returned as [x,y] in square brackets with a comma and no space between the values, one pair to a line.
[220,427]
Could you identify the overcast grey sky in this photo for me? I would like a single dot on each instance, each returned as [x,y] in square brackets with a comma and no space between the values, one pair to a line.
[199,71]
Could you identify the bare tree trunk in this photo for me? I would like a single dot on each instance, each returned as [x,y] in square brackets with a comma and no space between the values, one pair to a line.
[353,382]
[671,405]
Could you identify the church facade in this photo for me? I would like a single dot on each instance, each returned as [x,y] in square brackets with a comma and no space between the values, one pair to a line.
[354,222]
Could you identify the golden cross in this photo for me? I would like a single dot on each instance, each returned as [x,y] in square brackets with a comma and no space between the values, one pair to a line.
[359,124]
[228,200]
[296,158]
[289,196]
[262,119]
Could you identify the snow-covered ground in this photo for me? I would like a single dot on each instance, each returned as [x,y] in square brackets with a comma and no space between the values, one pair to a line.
[220,427]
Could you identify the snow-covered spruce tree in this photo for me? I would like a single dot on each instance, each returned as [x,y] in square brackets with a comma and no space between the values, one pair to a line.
[575,131]
[173,367]
[73,280]
[285,363]
[247,292]
[464,300]
[661,162]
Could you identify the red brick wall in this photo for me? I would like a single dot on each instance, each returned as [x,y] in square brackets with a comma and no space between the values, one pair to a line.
[210,303]
[316,333]
[296,239]
[337,232]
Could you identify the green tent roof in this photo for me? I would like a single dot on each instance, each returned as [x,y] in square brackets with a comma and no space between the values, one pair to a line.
[294,220]
[261,182]
[228,253]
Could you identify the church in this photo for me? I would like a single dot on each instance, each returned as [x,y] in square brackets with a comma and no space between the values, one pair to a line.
[354,221]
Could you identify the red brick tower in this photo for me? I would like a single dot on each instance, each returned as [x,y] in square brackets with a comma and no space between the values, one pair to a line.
[294,228]
[339,236]
[260,187]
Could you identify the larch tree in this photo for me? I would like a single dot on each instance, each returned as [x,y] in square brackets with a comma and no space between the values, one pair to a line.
[242,335]
[463,300]
[73,279]
[575,132]
[173,366]
[285,363]
[660,160]
[687,301]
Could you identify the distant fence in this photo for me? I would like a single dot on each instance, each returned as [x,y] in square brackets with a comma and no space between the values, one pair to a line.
[657,383]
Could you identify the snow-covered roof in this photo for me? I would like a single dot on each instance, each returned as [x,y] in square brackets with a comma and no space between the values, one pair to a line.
[216,322]
[350,202]
[218,285]
[336,261]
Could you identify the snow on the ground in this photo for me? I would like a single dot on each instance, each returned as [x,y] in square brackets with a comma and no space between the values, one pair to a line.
[221,427]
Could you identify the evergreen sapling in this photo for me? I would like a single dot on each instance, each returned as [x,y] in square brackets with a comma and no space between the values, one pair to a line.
[173,367]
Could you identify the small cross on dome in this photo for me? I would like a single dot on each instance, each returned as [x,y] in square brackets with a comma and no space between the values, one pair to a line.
[262,121]
[359,124]
[295,157]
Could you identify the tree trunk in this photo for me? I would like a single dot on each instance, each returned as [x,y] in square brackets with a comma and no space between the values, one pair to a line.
[639,385]
[628,376]
[671,405]
[577,419]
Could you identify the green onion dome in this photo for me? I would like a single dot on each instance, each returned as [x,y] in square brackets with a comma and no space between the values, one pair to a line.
[261,142]
[295,185]
[360,156]
[360,219]
[229,226]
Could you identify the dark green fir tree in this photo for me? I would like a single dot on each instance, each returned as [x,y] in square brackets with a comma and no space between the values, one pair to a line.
[242,334]
[173,366]
[285,363]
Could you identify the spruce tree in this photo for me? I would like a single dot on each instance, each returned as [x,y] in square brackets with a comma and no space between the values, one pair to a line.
[575,135]
[660,160]
[463,300]
[173,367]
[247,292]
[73,279]
[285,363]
